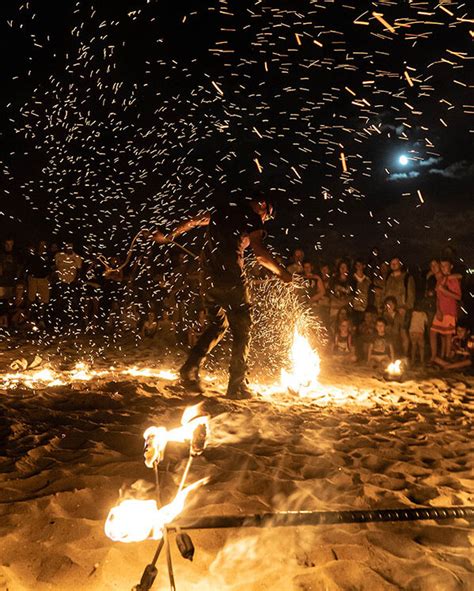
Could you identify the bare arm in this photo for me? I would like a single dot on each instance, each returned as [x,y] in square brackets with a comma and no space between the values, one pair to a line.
[265,258]
[182,227]
[455,295]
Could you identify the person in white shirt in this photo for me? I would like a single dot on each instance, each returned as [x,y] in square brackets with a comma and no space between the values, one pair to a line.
[67,264]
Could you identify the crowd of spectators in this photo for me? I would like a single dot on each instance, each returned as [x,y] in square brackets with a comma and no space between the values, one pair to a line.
[374,310]
[377,310]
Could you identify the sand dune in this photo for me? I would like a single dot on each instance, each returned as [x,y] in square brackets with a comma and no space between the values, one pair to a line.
[364,443]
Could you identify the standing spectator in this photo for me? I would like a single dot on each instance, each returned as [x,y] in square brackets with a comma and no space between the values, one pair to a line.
[393,323]
[10,271]
[38,273]
[432,277]
[325,302]
[448,294]
[296,266]
[361,292]
[418,324]
[340,289]
[378,286]
[314,287]
[68,264]
[91,294]
[401,286]
[19,311]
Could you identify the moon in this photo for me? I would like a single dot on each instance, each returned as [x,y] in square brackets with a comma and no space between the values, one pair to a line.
[403,160]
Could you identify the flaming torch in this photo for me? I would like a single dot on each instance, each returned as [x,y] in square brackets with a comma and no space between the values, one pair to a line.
[134,520]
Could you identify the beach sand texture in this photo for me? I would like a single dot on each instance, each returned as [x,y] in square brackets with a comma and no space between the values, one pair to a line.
[67,450]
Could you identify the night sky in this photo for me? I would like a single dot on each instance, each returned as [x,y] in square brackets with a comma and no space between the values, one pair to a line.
[123,114]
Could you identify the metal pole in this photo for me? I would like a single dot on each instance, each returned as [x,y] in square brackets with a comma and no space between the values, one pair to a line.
[295,518]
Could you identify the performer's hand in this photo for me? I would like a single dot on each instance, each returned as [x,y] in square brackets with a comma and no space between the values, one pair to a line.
[160,238]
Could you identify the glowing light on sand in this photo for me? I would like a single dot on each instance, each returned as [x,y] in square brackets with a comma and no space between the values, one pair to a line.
[48,377]
[394,368]
[149,372]
[137,520]
[302,378]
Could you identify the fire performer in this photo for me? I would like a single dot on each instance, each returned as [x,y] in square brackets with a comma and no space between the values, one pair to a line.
[231,228]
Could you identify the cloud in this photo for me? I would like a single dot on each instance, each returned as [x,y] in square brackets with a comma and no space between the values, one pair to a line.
[429,162]
[400,176]
[458,170]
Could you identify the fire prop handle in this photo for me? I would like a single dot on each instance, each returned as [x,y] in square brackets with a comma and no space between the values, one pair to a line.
[295,518]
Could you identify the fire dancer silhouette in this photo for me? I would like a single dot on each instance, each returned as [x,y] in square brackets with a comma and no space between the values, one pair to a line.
[231,228]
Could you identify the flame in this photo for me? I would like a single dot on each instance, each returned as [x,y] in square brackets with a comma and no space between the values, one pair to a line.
[305,367]
[134,520]
[395,368]
[149,372]
[157,438]
[48,377]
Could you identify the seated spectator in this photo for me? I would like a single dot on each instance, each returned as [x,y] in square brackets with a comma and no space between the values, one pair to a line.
[342,344]
[166,328]
[92,293]
[448,294]
[296,266]
[150,326]
[418,324]
[340,289]
[462,349]
[38,271]
[381,350]
[130,318]
[394,323]
[10,273]
[366,332]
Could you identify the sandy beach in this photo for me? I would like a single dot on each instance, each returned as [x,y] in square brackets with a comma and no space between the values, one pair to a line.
[67,450]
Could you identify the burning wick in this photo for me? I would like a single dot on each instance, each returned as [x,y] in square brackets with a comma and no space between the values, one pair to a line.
[133,520]
[394,370]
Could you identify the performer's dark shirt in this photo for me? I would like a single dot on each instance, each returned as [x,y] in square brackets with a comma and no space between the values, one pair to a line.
[227,237]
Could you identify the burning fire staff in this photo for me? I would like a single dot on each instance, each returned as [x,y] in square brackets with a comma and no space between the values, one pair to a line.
[231,228]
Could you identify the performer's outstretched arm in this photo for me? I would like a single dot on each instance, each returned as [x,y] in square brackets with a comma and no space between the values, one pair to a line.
[181,228]
[265,258]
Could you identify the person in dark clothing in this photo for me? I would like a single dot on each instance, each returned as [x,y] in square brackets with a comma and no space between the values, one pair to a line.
[231,228]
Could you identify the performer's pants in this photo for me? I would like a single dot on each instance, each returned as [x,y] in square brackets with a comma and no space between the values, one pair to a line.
[226,307]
